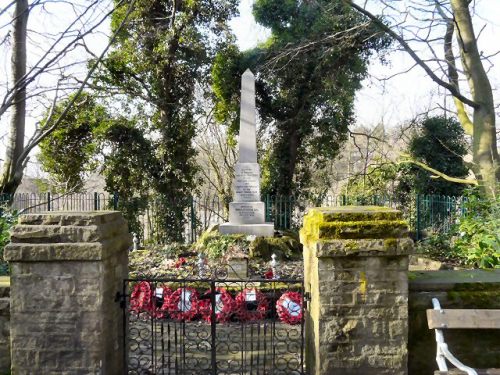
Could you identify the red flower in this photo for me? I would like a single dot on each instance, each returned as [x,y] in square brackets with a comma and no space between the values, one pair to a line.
[143,299]
[269,274]
[180,262]
[249,297]
[224,306]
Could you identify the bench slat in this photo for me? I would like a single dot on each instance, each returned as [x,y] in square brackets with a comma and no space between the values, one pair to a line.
[461,318]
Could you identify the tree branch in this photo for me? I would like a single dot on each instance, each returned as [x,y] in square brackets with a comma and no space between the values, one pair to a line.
[453,90]
[437,174]
[36,140]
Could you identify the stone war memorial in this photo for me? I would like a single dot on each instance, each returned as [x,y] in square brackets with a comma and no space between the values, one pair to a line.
[344,304]
[247,211]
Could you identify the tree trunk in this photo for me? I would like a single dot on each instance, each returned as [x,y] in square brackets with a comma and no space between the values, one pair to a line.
[13,167]
[484,144]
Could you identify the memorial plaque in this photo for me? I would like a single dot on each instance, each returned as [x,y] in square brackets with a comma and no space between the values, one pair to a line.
[246,182]
[237,269]
[247,212]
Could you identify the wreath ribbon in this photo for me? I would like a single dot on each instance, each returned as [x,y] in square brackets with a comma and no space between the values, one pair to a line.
[182,304]
[224,305]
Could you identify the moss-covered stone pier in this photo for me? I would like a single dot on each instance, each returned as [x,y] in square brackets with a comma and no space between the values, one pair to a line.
[355,269]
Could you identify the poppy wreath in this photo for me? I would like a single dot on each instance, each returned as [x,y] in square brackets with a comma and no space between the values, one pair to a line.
[182,309]
[159,300]
[224,307]
[289,307]
[142,299]
[259,305]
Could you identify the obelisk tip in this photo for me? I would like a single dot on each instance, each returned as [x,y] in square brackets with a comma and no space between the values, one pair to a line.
[248,72]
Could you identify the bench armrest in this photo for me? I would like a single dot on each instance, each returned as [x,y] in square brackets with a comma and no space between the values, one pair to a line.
[442,351]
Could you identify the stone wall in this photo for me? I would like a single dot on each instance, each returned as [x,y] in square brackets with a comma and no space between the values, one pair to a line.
[4,328]
[66,269]
[459,290]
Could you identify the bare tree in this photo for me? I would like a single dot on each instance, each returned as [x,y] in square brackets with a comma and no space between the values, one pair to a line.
[15,144]
[56,70]
[217,158]
[424,29]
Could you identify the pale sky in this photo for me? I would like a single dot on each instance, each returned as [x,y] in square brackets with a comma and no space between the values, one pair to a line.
[392,102]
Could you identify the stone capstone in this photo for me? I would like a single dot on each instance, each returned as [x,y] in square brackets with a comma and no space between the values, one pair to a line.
[353,223]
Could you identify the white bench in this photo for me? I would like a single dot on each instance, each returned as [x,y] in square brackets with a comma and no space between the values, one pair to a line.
[439,319]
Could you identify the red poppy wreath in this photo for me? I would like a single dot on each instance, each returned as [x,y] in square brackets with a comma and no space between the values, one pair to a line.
[142,298]
[289,307]
[251,305]
[224,306]
[161,294]
[182,304]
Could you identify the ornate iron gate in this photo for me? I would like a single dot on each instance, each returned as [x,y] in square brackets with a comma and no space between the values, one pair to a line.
[213,326]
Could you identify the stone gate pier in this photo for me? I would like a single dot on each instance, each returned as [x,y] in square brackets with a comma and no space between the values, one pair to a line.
[66,268]
[355,269]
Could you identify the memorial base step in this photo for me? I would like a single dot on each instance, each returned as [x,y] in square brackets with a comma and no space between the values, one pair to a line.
[259,230]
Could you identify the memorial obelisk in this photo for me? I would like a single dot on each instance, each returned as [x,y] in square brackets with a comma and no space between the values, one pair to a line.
[247,211]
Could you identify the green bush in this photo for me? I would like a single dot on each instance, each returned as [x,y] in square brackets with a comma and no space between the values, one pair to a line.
[439,246]
[7,220]
[478,233]
[215,245]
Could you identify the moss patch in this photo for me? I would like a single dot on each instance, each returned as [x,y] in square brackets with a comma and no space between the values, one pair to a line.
[480,300]
[352,222]
[357,213]
[286,247]
[351,246]
[390,244]
[362,229]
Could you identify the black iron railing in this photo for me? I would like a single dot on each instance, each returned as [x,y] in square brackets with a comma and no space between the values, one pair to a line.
[213,326]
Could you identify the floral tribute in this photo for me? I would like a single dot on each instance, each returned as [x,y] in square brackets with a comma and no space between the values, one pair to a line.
[269,274]
[289,307]
[143,299]
[183,304]
[224,306]
[251,305]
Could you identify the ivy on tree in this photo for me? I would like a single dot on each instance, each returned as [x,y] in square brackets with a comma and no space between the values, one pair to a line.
[67,153]
[305,91]
[160,60]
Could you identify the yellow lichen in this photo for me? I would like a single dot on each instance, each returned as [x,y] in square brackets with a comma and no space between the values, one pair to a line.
[390,244]
[351,245]
[362,285]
